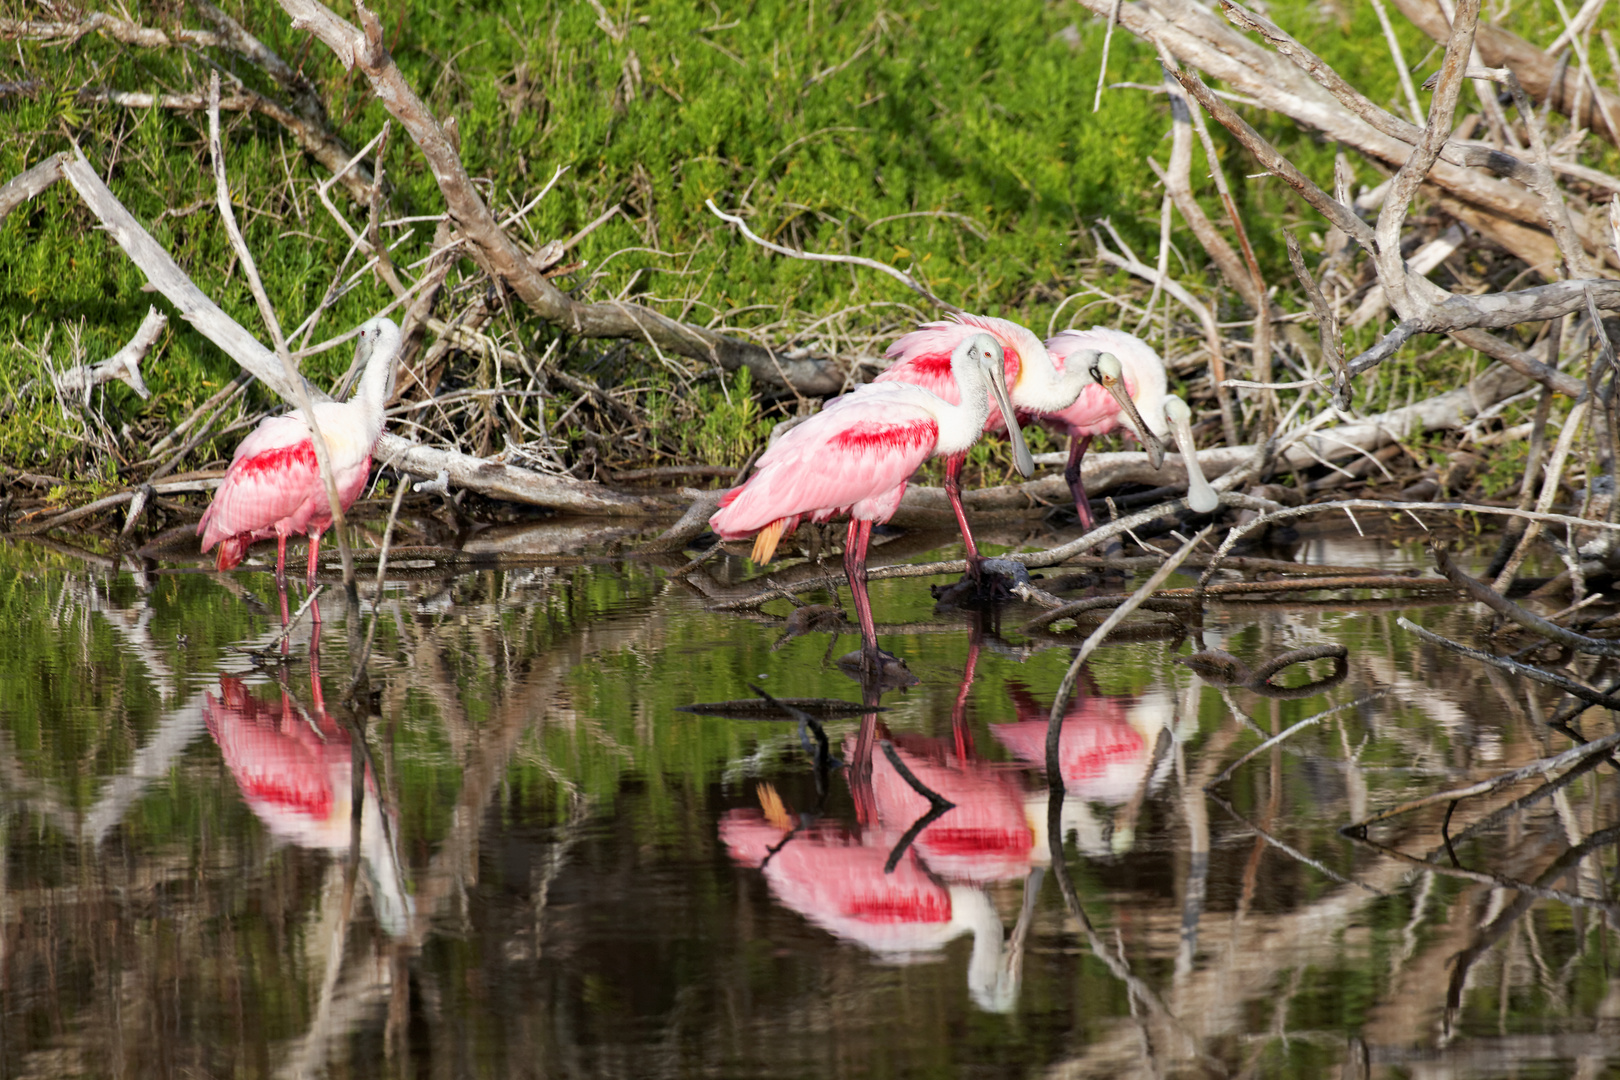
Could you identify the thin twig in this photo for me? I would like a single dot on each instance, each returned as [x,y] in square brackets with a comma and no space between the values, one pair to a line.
[811,256]
[323,455]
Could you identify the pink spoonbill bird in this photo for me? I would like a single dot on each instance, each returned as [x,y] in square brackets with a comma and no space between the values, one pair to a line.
[1035,384]
[274,487]
[1107,754]
[855,457]
[1097,411]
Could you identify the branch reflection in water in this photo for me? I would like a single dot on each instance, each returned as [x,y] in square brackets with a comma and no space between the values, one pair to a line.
[555,820]
[935,824]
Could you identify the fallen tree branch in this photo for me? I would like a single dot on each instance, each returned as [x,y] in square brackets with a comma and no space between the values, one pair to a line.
[26,185]
[325,147]
[486,477]
[1479,591]
[1327,321]
[1542,767]
[1194,35]
[307,120]
[500,255]
[123,365]
[1423,305]
[1272,515]
[1514,667]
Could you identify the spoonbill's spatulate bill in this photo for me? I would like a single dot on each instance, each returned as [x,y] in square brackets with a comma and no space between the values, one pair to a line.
[274,487]
[855,457]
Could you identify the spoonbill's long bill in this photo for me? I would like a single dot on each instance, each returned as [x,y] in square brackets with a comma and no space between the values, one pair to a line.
[1095,412]
[273,486]
[1035,384]
[855,456]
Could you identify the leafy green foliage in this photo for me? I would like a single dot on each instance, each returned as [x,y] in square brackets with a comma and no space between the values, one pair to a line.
[955,140]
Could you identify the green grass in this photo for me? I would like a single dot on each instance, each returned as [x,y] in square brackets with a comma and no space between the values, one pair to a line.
[827,121]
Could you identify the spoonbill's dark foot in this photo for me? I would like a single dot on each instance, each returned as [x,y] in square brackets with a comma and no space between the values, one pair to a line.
[994,583]
[879,668]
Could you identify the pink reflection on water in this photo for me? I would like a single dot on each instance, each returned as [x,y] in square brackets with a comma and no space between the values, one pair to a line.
[295,769]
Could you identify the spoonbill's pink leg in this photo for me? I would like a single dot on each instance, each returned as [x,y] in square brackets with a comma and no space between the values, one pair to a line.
[314,557]
[1077,484]
[855,543]
[953,492]
[281,559]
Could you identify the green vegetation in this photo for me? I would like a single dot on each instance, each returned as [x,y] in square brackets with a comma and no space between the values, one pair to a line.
[958,140]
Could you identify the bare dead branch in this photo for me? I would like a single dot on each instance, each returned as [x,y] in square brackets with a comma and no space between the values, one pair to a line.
[1431,309]
[1339,215]
[500,254]
[1392,273]
[1327,322]
[1480,592]
[1542,183]
[1529,671]
[1196,36]
[101,23]
[25,186]
[1456,152]
[123,364]
[1539,71]
[1535,769]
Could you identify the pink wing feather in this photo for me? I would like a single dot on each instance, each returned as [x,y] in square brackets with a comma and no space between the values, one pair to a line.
[855,456]
[273,486]
[923,357]
[1095,412]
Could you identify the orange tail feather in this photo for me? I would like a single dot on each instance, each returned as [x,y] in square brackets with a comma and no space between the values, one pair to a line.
[765,543]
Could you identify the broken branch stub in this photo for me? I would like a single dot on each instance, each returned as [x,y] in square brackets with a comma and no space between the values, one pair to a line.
[124,365]
[500,255]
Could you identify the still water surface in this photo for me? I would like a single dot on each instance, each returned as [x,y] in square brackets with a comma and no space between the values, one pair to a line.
[519,857]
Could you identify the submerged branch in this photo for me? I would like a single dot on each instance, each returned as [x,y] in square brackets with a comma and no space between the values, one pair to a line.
[1500,604]
[1514,667]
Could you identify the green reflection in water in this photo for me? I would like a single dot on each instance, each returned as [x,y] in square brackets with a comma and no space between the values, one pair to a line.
[573,907]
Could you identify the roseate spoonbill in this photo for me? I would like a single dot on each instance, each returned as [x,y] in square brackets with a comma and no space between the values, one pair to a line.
[1096,413]
[273,486]
[985,836]
[854,458]
[1035,384]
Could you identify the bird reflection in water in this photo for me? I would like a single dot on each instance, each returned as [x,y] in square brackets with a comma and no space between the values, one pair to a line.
[1109,753]
[911,874]
[296,771]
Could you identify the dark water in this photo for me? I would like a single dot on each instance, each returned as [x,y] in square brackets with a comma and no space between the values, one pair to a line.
[507,853]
